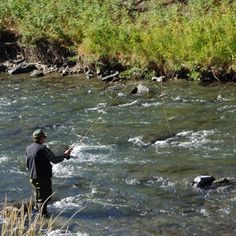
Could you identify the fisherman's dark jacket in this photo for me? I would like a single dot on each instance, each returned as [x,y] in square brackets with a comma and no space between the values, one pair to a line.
[39,158]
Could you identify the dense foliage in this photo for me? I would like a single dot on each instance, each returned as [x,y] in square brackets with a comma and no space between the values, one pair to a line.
[171,34]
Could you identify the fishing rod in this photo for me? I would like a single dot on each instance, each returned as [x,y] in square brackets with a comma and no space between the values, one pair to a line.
[95,121]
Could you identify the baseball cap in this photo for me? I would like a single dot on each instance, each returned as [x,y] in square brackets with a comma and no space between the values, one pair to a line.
[39,133]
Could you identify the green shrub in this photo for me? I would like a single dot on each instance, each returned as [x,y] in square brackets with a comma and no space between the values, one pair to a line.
[201,33]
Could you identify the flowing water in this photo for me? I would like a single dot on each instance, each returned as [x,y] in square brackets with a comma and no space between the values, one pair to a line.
[128,175]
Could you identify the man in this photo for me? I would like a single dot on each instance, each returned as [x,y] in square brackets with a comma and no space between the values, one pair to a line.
[39,158]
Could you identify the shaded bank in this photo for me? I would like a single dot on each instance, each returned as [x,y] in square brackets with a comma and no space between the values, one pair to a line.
[193,40]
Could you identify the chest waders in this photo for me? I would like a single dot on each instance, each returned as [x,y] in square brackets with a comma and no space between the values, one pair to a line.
[42,192]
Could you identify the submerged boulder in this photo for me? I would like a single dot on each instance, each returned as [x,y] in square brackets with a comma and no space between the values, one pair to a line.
[162,138]
[221,182]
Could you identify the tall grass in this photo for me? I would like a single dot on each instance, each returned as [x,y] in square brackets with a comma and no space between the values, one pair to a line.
[199,34]
[194,35]
[20,221]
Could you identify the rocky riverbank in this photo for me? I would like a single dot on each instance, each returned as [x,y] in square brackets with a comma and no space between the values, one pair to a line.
[46,57]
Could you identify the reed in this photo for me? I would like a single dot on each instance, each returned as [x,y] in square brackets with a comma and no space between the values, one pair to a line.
[20,221]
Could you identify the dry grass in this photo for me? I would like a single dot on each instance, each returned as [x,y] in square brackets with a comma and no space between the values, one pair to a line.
[21,221]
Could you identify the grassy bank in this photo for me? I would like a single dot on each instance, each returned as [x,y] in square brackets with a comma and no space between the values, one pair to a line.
[198,35]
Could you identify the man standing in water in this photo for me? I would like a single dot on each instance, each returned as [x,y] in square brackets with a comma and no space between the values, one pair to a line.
[39,158]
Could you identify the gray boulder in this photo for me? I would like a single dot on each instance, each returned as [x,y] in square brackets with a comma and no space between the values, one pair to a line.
[140,89]
[158,79]
[37,73]
[207,182]
[204,181]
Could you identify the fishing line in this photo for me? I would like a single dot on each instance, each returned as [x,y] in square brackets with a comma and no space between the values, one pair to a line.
[164,110]
[110,104]
[95,121]
[78,142]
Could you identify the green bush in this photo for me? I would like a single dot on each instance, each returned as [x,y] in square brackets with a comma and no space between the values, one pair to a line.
[201,33]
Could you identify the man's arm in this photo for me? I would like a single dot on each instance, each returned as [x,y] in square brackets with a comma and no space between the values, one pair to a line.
[51,156]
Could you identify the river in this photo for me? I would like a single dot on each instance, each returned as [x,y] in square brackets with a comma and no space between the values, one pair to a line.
[123,181]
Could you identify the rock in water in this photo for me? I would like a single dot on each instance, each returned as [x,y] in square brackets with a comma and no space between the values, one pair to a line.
[204,181]
[140,89]
[37,73]
[210,183]
[158,79]
[221,182]
[162,138]
[109,78]
[22,68]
